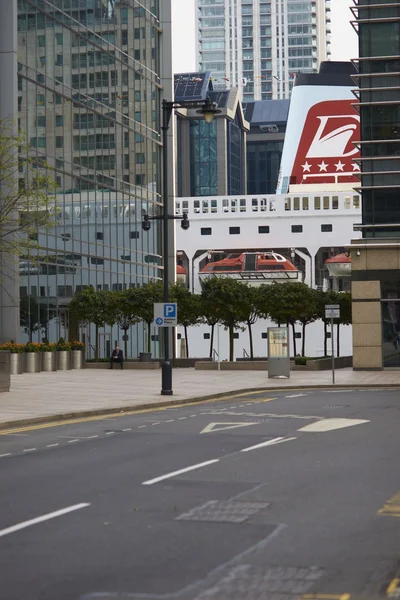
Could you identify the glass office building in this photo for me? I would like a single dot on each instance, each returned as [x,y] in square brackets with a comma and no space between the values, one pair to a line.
[90,81]
[260,45]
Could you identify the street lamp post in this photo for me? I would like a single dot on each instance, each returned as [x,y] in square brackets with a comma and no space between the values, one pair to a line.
[208,109]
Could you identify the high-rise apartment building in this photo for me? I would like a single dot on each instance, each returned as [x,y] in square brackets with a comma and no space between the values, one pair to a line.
[260,45]
[87,88]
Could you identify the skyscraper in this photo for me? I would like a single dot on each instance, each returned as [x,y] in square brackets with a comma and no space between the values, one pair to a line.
[91,78]
[260,45]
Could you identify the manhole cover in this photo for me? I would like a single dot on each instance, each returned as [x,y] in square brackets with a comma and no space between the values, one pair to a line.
[228,511]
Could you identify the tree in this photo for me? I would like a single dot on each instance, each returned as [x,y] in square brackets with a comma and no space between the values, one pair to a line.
[209,314]
[35,316]
[289,303]
[145,297]
[124,307]
[25,202]
[226,295]
[249,310]
[189,311]
[96,307]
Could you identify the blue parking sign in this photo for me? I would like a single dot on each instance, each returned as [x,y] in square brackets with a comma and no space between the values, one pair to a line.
[170,311]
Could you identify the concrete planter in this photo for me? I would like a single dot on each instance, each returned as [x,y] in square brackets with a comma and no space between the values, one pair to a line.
[144,356]
[48,361]
[77,361]
[17,363]
[63,360]
[32,362]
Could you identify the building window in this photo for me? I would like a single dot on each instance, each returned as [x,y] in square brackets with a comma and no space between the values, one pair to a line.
[59,120]
[139,179]
[41,121]
[140,158]
[154,338]
[297,228]
[124,37]
[38,142]
[263,229]
[134,235]
[99,235]
[326,228]
[41,39]
[96,261]
[203,158]
[59,39]
[206,231]
[40,99]
[236,336]
[206,336]
[264,335]
[59,141]
[234,230]
[59,60]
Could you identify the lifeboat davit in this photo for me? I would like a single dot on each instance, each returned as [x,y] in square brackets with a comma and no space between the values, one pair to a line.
[254,268]
[339,265]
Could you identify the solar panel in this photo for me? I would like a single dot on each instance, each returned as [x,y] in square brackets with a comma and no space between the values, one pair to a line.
[191,86]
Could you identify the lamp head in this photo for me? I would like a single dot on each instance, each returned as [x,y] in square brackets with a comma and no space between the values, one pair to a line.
[185,223]
[208,110]
[146,223]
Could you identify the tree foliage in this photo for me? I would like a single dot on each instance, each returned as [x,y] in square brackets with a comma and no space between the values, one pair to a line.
[145,297]
[189,309]
[25,202]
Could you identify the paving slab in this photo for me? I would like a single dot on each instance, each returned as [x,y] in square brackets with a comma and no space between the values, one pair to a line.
[41,395]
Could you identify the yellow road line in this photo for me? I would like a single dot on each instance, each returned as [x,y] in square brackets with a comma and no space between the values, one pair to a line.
[391,508]
[393,587]
[120,414]
[325,597]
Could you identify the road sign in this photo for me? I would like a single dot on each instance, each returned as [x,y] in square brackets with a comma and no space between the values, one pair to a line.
[332,311]
[165,314]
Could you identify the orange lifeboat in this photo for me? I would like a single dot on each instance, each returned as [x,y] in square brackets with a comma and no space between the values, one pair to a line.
[339,265]
[254,268]
[181,274]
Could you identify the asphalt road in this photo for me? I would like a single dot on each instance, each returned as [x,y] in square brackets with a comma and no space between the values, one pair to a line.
[260,496]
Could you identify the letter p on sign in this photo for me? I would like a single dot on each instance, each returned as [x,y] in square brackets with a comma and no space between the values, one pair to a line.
[170,311]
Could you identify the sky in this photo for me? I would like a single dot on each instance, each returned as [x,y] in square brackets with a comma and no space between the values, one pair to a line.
[344,39]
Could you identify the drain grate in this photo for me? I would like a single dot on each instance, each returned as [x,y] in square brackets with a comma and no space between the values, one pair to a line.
[229,511]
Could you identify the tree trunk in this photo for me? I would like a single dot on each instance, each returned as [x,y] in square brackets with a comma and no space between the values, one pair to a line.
[212,341]
[294,340]
[325,339]
[149,337]
[338,340]
[231,343]
[186,341]
[251,341]
[125,344]
[303,341]
[96,343]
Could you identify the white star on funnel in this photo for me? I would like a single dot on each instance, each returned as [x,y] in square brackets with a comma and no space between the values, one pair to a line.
[306,167]
[355,166]
[339,166]
[323,166]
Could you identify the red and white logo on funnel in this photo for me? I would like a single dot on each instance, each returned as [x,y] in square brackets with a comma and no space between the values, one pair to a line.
[326,152]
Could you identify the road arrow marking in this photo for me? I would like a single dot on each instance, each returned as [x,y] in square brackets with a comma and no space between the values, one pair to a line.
[331,425]
[222,426]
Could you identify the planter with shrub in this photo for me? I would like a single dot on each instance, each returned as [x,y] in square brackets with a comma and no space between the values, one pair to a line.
[77,354]
[32,358]
[63,355]
[48,357]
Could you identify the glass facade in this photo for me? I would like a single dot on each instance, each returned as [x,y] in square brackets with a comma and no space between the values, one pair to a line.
[263,163]
[203,158]
[89,103]
[235,158]
[379,64]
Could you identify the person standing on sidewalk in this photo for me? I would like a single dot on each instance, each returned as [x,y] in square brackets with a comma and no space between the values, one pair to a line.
[117,356]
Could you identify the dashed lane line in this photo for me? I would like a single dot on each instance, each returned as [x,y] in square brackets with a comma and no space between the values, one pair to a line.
[29,449]
[4,455]
[41,519]
[128,429]
[52,445]
[72,441]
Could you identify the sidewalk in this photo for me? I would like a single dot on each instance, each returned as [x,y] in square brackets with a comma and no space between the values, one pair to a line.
[36,396]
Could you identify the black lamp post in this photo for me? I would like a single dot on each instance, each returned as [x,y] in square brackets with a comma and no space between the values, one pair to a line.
[208,109]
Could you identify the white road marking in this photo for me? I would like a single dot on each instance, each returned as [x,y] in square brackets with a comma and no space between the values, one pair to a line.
[222,426]
[170,421]
[4,455]
[72,441]
[110,432]
[191,416]
[331,425]
[129,429]
[91,437]
[279,440]
[52,515]
[158,422]
[249,404]
[295,395]
[30,450]
[181,418]
[52,445]
[175,473]
[141,426]
[339,391]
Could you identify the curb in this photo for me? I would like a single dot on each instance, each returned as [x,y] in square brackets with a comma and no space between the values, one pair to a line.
[121,410]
